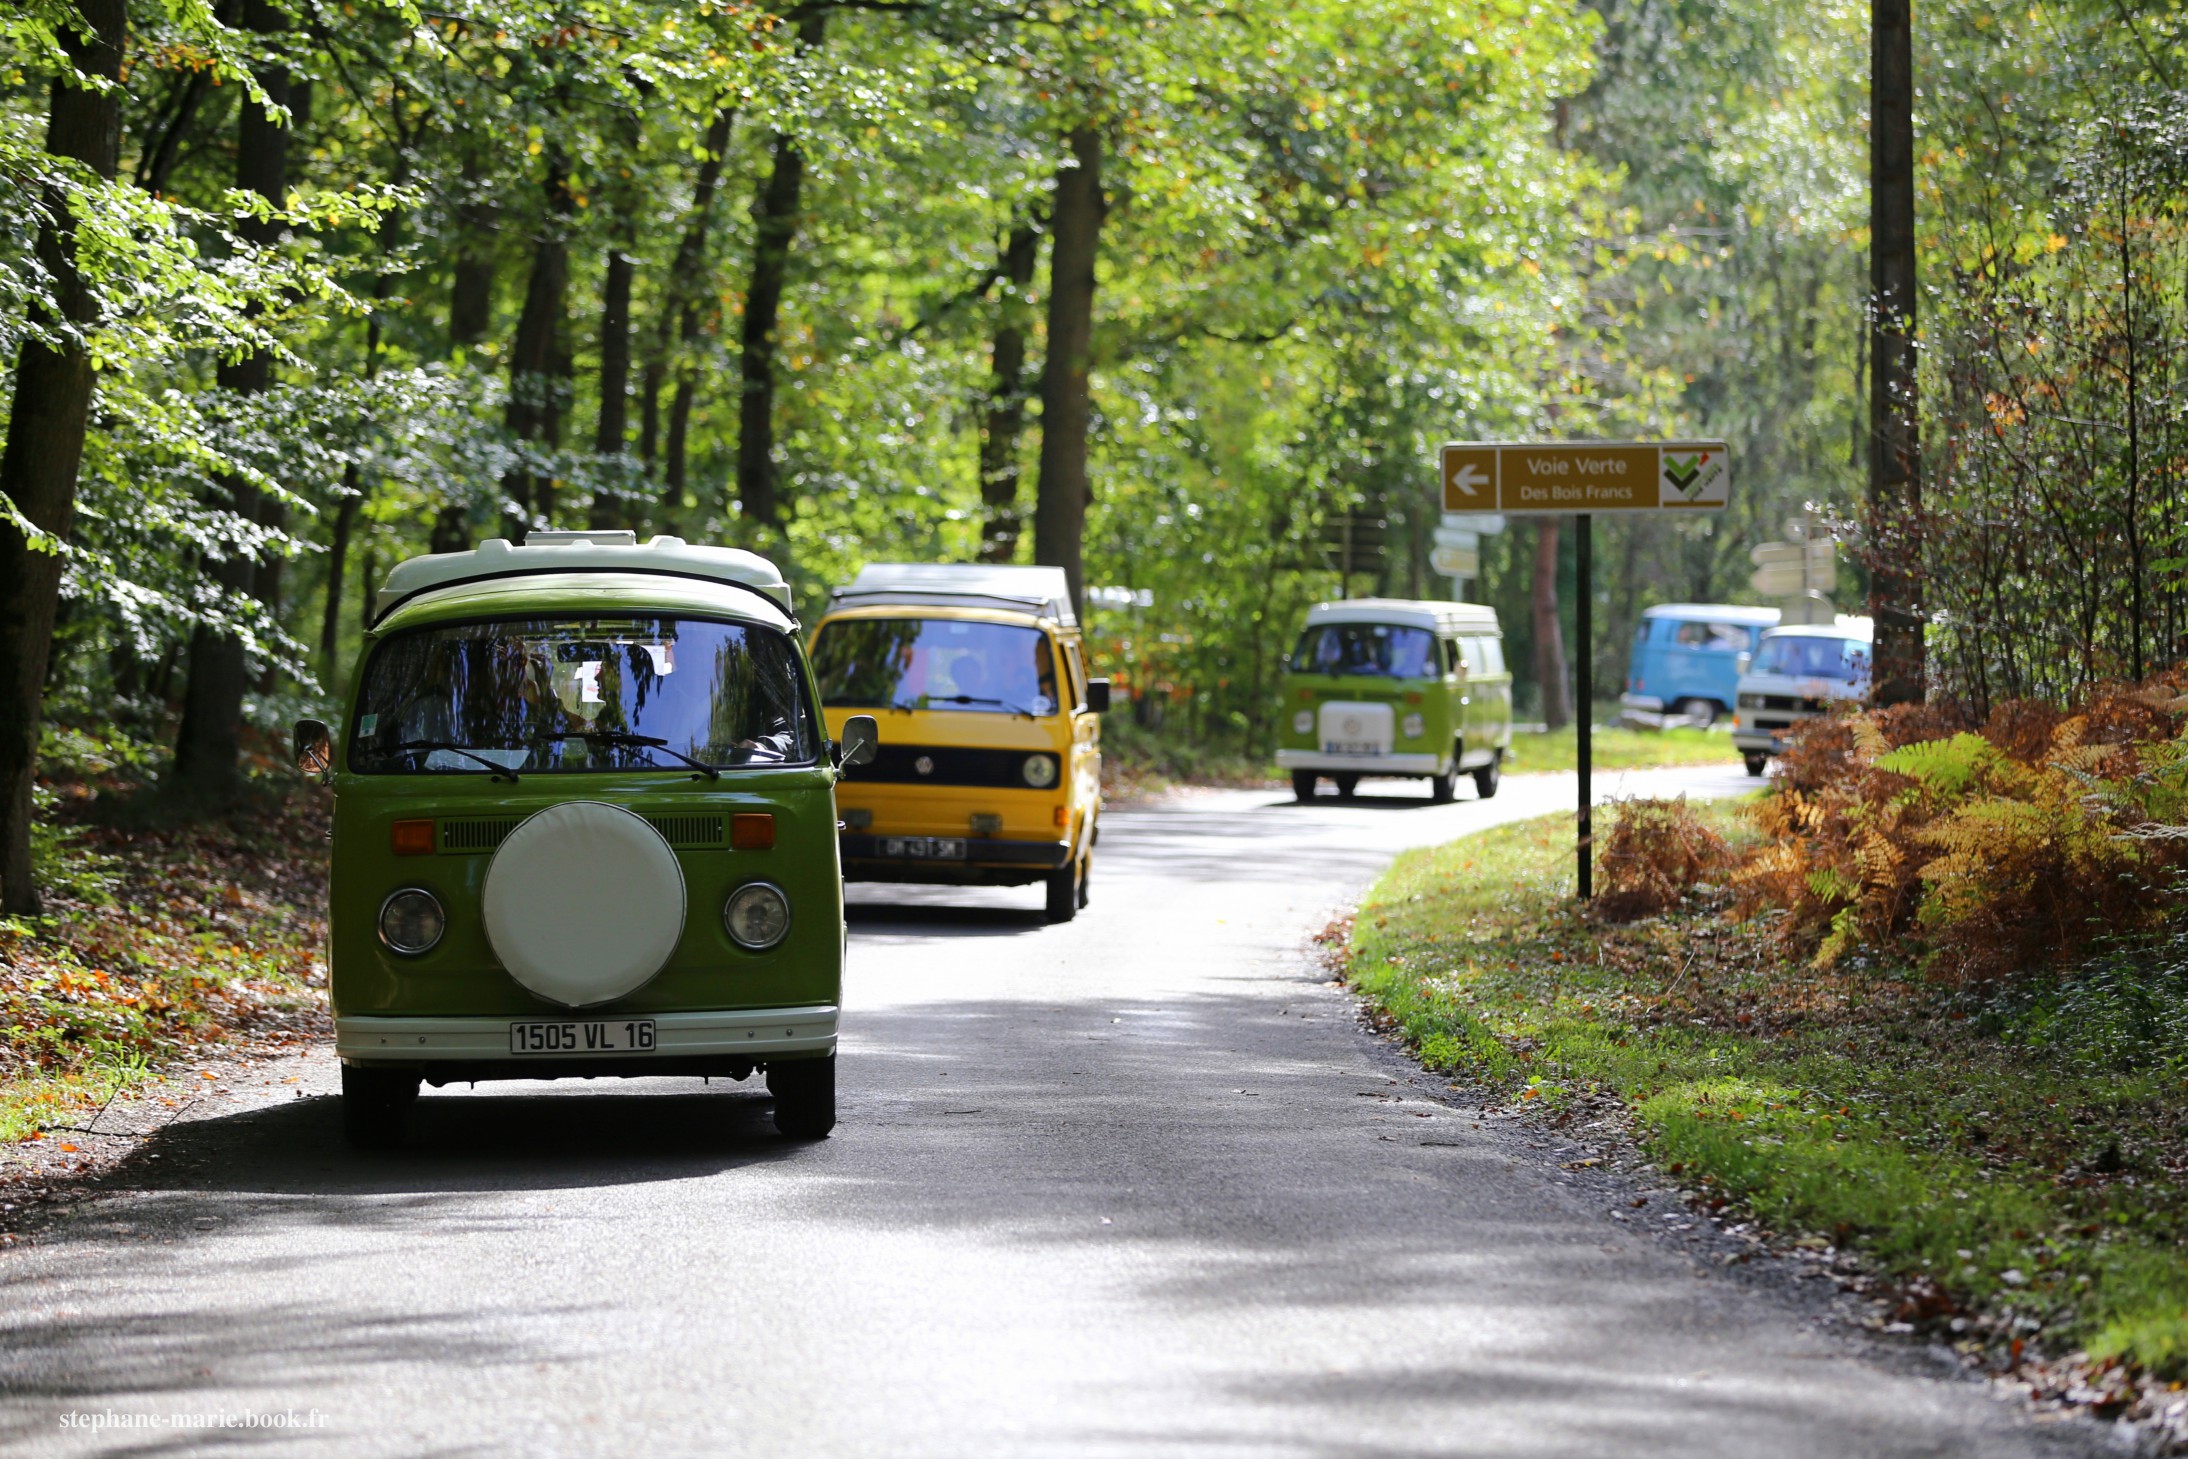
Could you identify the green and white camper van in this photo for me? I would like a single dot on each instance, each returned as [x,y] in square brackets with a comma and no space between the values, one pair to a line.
[1392,687]
[584,824]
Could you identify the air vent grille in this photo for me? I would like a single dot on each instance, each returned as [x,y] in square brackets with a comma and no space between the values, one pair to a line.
[475,836]
[471,837]
[689,831]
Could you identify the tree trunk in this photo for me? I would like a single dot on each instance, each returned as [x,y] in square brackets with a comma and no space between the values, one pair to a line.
[537,357]
[1557,706]
[775,228]
[45,440]
[679,320]
[209,743]
[1895,482]
[345,524]
[1003,424]
[471,282]
[157,163]
[1061,493]
[609,509]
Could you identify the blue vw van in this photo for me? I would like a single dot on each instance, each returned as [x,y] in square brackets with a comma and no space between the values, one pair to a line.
[1687,657]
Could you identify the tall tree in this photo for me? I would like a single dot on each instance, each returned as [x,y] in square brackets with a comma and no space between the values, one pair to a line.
[539,355]
[608,508]
[1067,408]
[1557,705]
[46,423]
[775,230]
[209,742]
[1003,420]
[1895,491]
[678,324]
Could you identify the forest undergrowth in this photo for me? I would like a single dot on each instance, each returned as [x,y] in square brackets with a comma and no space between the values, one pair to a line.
[1921,1009]
[165,931]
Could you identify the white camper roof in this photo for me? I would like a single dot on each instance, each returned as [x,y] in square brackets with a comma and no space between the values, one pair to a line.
[579,552]
[1713,613]
[1844,626]
[1414,613]
[1042,590]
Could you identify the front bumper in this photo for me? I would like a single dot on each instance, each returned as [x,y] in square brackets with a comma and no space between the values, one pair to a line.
[1361,764]
[1645,703]
[679,1038]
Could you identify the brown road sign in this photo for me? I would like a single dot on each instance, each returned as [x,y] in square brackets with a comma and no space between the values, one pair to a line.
[1585,476]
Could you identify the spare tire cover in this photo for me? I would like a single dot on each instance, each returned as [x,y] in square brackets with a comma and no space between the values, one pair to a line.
[583,903]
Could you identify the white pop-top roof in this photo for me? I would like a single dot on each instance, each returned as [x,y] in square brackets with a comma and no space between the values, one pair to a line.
[1845,626]
[1042,590]
[1712,613]
[565,552]
[1442,617]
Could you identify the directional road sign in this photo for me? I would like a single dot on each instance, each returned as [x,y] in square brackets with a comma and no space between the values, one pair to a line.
[1456,562]
[1560,477]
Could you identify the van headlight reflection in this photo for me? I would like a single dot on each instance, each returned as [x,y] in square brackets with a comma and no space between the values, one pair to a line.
[411,921]
[756,915]
[1040,771]
[1412,725]
[1303,721]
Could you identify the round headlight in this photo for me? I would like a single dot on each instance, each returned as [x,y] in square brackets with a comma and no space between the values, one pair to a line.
[1303,721]
[756,915]
[1413,724]
[411,922]
[1040,771]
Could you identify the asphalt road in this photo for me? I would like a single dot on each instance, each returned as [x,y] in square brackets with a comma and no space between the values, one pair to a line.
[1133,1186]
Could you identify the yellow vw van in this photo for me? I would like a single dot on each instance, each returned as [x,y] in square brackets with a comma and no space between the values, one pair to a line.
[989,772]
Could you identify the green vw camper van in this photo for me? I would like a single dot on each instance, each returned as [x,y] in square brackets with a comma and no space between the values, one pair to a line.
[1393,687]
[584,825]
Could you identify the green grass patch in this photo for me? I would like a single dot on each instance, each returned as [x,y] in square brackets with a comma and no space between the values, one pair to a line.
[2024,1147]
[1616,747]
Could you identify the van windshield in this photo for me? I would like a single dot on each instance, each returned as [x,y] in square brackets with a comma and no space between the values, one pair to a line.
[1813,657]
[1378,650]
[935,663]
[548,694]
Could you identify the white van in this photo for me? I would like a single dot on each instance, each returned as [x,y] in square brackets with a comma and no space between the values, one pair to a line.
[1798,673]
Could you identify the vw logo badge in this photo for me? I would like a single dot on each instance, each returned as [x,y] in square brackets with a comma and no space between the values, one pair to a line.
[924,764]
[1352,725]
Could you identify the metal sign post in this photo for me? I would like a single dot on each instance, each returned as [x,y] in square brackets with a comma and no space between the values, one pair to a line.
[1579,479]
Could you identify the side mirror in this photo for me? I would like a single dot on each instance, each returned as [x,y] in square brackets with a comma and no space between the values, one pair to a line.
[1097,695]
[1739,665]
[314,749]
[861,740]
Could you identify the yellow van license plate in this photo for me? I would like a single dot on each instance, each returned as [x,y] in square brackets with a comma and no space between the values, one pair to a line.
[925,848]
[603,1036]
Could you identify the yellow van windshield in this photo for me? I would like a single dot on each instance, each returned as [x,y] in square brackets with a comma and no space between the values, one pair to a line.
[935,663]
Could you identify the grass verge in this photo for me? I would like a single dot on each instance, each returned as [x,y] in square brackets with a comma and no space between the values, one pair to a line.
[158,938]
[2012,1162]
[1617,747]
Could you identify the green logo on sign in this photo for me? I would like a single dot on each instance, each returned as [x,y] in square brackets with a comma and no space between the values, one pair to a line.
[1684,472]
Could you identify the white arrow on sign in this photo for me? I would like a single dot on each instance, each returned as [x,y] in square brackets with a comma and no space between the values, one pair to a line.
[1468,478]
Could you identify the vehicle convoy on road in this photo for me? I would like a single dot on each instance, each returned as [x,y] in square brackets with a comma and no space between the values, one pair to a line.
[1798,673]
[1686,660]
[990,770]
[584,824]
[1393,687]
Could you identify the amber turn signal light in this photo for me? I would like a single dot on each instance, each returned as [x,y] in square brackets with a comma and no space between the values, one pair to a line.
[411,838]
[752,831]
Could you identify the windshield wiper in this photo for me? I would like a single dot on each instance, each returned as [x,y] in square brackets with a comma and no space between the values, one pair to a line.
[980,699]
[501,772]
[624,737]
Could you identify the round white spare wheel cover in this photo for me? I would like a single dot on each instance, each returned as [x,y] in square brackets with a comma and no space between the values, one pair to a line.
[583,903]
